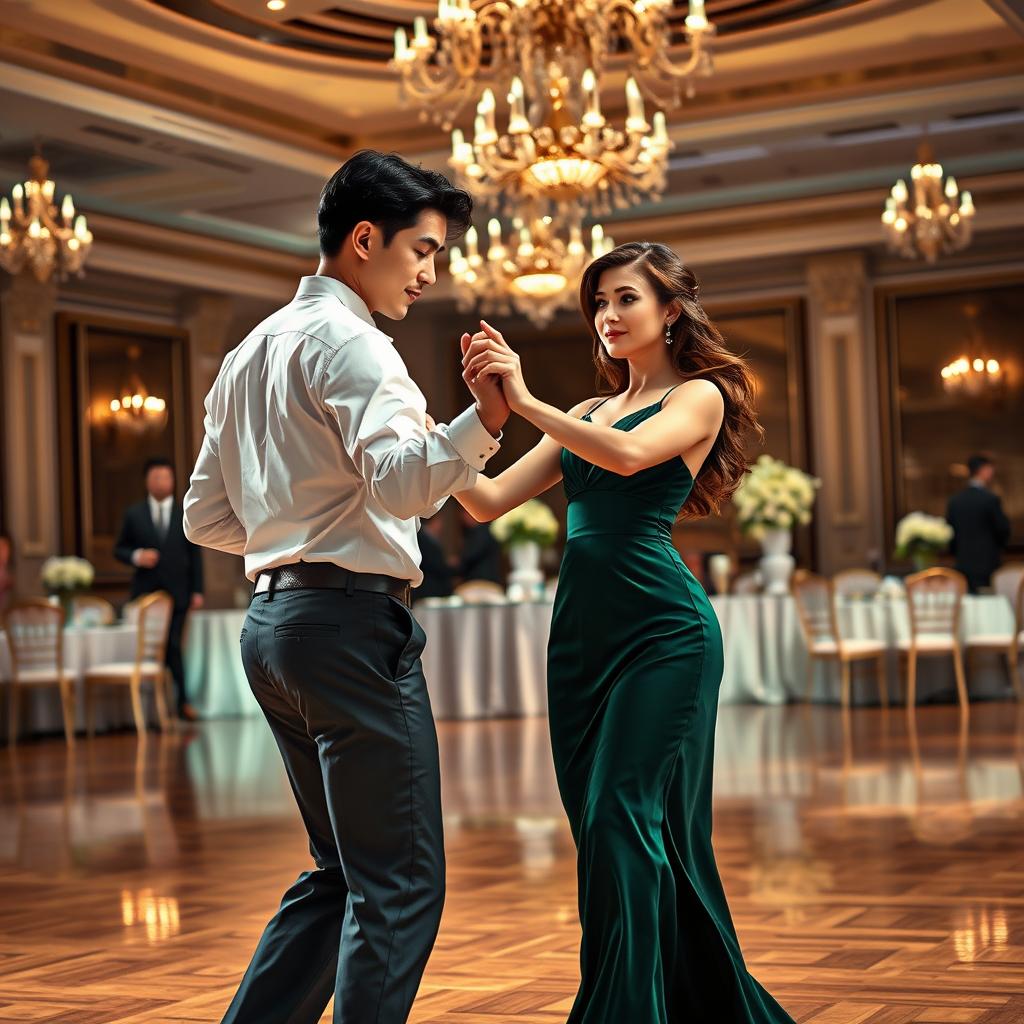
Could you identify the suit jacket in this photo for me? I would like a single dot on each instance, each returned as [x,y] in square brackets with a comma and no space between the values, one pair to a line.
[980,532]
[481,555]
[180,569]
[437,576]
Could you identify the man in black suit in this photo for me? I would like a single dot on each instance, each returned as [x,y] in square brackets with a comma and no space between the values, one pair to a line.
[437,573]
[980,527]
[481,552]
[153,541]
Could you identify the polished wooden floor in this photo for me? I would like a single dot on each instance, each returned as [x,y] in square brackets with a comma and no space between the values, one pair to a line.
[875,872]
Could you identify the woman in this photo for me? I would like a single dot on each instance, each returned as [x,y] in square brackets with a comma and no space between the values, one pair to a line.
[635,655]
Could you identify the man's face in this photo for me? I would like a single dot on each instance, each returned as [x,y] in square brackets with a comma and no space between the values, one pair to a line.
[393,277]
[160,482]
[986,473]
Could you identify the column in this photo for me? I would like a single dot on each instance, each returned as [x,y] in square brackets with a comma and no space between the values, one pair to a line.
[844,411]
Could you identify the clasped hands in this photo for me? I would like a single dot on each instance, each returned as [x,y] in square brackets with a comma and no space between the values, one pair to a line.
[487,354]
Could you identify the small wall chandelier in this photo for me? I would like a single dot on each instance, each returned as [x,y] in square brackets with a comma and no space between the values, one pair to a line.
[939,219]
[975,373]
[136,409]
[552,53]
[35,233]
[534,272]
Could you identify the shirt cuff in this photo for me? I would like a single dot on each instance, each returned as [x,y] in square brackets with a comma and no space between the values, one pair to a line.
[471,439]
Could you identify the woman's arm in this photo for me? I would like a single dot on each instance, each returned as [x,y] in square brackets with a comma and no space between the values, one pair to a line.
[692,414]
[537,471]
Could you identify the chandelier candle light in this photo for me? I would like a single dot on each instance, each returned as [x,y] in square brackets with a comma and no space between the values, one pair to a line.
[534,272]
[34,232]
[558,146]
[939,220]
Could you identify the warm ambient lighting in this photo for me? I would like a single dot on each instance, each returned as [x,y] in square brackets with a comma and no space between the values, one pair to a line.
[276,5]
[547,59]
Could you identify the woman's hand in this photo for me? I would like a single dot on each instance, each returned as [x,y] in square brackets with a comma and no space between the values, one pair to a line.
[488,354]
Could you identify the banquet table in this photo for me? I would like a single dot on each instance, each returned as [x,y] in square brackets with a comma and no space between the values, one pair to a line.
[488,660]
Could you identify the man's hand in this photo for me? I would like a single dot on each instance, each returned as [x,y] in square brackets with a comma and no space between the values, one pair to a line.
[197,602]
[491,406]
[489,357]
[147,558]
[431,425]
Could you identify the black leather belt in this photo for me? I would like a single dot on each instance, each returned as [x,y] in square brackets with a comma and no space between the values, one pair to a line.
[327,576]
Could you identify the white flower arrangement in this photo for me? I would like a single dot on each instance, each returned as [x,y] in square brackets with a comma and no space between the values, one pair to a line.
[774,496]
[63,574]
[921,536]
[531,521]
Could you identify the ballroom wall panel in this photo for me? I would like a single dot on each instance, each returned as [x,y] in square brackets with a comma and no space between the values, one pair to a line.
[102,458]
[930,433]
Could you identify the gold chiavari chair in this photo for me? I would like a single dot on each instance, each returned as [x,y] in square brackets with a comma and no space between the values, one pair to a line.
[1007,582]
[152,617]
[856,583]
[87,609]
[934,602]
[816,607]
[35,638]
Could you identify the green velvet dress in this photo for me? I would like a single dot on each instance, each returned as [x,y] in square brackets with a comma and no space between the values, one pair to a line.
[634,669]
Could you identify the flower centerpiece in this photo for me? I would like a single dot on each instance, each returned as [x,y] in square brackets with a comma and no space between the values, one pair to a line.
[65,577]
[922,537]
[773,498]
[523,532]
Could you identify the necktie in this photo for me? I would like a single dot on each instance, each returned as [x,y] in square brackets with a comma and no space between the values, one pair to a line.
[162,524]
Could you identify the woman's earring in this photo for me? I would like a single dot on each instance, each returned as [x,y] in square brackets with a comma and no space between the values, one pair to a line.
[668,334]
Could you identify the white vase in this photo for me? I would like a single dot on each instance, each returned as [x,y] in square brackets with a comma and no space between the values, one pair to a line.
[526,580]
[776,562]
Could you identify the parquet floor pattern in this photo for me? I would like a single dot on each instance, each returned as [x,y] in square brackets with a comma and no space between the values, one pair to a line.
[875,872]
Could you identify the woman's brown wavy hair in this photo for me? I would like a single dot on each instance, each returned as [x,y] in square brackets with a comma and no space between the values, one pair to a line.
[697,350]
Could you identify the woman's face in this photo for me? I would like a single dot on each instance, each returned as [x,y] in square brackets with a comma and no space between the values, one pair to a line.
[628,315]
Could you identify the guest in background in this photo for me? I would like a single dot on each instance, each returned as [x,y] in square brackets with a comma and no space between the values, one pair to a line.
[437,573]
[6,570]
[980,527]
[481,552]
[153,541]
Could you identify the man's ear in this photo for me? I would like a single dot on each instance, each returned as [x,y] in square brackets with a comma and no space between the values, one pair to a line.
[362,239]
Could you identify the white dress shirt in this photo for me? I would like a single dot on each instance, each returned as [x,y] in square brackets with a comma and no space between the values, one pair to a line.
[316,445]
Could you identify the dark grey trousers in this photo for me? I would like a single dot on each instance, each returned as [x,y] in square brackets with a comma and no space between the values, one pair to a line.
[339,678]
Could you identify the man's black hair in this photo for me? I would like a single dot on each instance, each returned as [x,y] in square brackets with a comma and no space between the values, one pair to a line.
[976,463]
[157,462]
[389,192]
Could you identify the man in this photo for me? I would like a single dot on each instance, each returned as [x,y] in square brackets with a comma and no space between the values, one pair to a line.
[153,541]
[317,461]
[980,527]
[481,551]
[437,571]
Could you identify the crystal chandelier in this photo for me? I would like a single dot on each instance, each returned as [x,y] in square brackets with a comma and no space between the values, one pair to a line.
[938,221]
[35,233]
[558,145]
[534,272]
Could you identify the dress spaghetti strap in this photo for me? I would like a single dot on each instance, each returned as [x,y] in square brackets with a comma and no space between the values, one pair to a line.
[594,408]
[667,393]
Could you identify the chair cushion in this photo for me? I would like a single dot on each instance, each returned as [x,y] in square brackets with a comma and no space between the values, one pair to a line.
[990,640]
[858,646]
[29,676]
[125,669]
[929,642]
